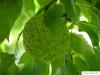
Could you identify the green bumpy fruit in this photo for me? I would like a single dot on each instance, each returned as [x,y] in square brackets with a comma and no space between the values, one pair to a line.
[41,42]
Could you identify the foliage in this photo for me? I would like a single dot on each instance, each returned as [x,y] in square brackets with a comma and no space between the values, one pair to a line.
[58,36]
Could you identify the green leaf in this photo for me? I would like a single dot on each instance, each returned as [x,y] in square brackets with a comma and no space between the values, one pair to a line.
[26,59]
[70,9]
[58,72]
[29,4]
[33,66]
[96,11]
[91,30]
[9,12]
[44,2]
[80,45]
[29,68]
[96,63]
[28,71]
[97,57]
[70,67]
[42,67]
[80,64]
[53,16]
[95,14]
[95,60]
[94,18]
[38,68]
[84,6]
[84,24]
[13,69]
[58,65]
[78,10]
[84,1]
[5,61]
[29,7]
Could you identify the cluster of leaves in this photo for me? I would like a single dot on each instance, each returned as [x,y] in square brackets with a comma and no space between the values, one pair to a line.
[80,56]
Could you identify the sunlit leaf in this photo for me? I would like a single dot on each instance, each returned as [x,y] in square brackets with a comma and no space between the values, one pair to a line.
[44,2]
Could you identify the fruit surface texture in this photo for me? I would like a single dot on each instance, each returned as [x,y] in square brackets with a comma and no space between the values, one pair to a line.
[41,42]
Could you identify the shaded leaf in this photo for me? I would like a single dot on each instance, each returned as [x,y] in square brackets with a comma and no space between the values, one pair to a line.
[97,4]
[5,61]
[92,32]
[70,67]
[53,16]
[26,59]
[28,71]
[9,12]
[13,69]
[95,16]
[87,2]
[42,67]
[70,9]
[95,60]
[38,68]
[80,45]
[58,65]
[29,68]
[32,66]
[80,64]
[78,11]
[58,72]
